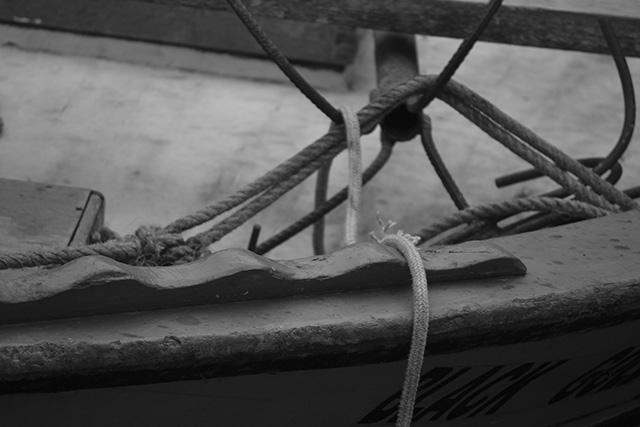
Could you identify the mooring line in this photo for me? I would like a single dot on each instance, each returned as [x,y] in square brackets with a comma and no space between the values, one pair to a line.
[406,244]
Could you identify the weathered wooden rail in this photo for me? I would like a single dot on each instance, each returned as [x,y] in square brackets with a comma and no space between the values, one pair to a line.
[568,24]
[210,30]
[208,24]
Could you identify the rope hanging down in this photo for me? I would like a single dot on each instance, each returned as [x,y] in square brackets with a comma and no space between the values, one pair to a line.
[406,244]
[318,213]
[352,127]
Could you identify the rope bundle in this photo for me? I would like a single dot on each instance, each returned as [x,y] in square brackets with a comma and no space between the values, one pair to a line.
[165,246]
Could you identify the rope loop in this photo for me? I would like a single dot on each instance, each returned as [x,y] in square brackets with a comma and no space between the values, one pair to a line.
[352,131]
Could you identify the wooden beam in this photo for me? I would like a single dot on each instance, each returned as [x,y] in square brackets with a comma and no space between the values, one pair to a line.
[558,24]
[170,23]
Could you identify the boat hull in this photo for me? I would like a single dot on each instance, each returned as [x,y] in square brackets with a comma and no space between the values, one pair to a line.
[578,379]
[558,346]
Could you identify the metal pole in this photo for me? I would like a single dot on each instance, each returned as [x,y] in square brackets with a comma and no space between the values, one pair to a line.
[396,62]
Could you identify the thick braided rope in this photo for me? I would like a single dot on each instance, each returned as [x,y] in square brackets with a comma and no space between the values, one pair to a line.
[511,207]
[470,232]
[265,200]
[146,247]
[120,251]
[278,174]
[514,145]
[369,117]
[406,244]
[352,128]
[587,175]
[525,152]
[477,109]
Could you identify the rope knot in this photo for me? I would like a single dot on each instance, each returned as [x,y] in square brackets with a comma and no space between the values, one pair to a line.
[159,248]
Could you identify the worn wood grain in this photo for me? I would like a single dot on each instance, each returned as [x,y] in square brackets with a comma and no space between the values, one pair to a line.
[98,285]
[569,25]
[220,31]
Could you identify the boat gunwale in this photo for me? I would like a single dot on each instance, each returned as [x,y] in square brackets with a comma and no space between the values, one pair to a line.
[333,330]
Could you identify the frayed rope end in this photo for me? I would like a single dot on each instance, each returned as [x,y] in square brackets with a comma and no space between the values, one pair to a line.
[385,226]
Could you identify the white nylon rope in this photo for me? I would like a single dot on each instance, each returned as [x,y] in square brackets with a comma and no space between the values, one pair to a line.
[352,127]
[406,244]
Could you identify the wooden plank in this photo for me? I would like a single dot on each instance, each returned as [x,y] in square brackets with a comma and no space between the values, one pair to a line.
[91,221]
[619,8]
[35,216]
[561,24]
[98,285]
[220,31]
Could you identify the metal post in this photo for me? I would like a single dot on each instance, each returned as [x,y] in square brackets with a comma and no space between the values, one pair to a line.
[396,62]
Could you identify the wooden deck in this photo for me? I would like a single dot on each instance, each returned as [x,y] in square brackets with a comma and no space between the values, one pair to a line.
[161,142]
